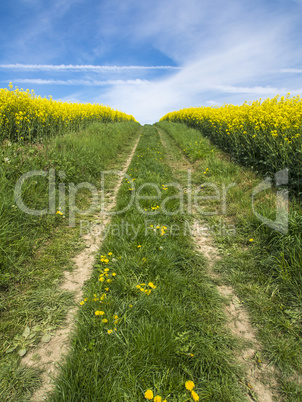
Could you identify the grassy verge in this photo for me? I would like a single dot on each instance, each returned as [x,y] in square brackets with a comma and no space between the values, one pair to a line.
[35,250]
[151,318]
[262,264]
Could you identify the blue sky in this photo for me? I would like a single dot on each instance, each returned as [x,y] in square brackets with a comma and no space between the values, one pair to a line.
[148,58]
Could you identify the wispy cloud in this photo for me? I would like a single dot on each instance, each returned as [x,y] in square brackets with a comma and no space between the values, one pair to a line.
[70,67]
[40,81]
[291,70]
[254,90]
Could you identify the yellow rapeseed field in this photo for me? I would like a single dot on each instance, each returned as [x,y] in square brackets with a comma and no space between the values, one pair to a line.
[265,135]
[24,115]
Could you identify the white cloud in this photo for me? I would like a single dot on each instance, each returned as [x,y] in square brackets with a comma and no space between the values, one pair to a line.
[212,103]
[70,67]
[291,70]
[247,60]
[40,81]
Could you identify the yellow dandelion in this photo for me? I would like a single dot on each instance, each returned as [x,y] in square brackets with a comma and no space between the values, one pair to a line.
[189,385]
[157,398]
[110,253]
[82,302]
[109,331]
[149,394]
[251,240]
[104,320]
[194,396]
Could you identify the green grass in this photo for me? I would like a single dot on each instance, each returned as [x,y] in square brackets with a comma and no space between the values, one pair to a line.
[265,272]
[174,334]
[178,332]
[35,250]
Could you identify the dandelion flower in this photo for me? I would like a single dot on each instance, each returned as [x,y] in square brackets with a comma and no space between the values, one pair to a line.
[139,246]
[157,398]
[104,320]
[99,312]
[194,396]
[109,331]
[149,394]
[110,253]
[82,302]
[189,385]
[130,305]
[251,240]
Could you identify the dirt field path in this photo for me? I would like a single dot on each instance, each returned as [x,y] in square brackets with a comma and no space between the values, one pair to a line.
[47,355]
[257,379]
